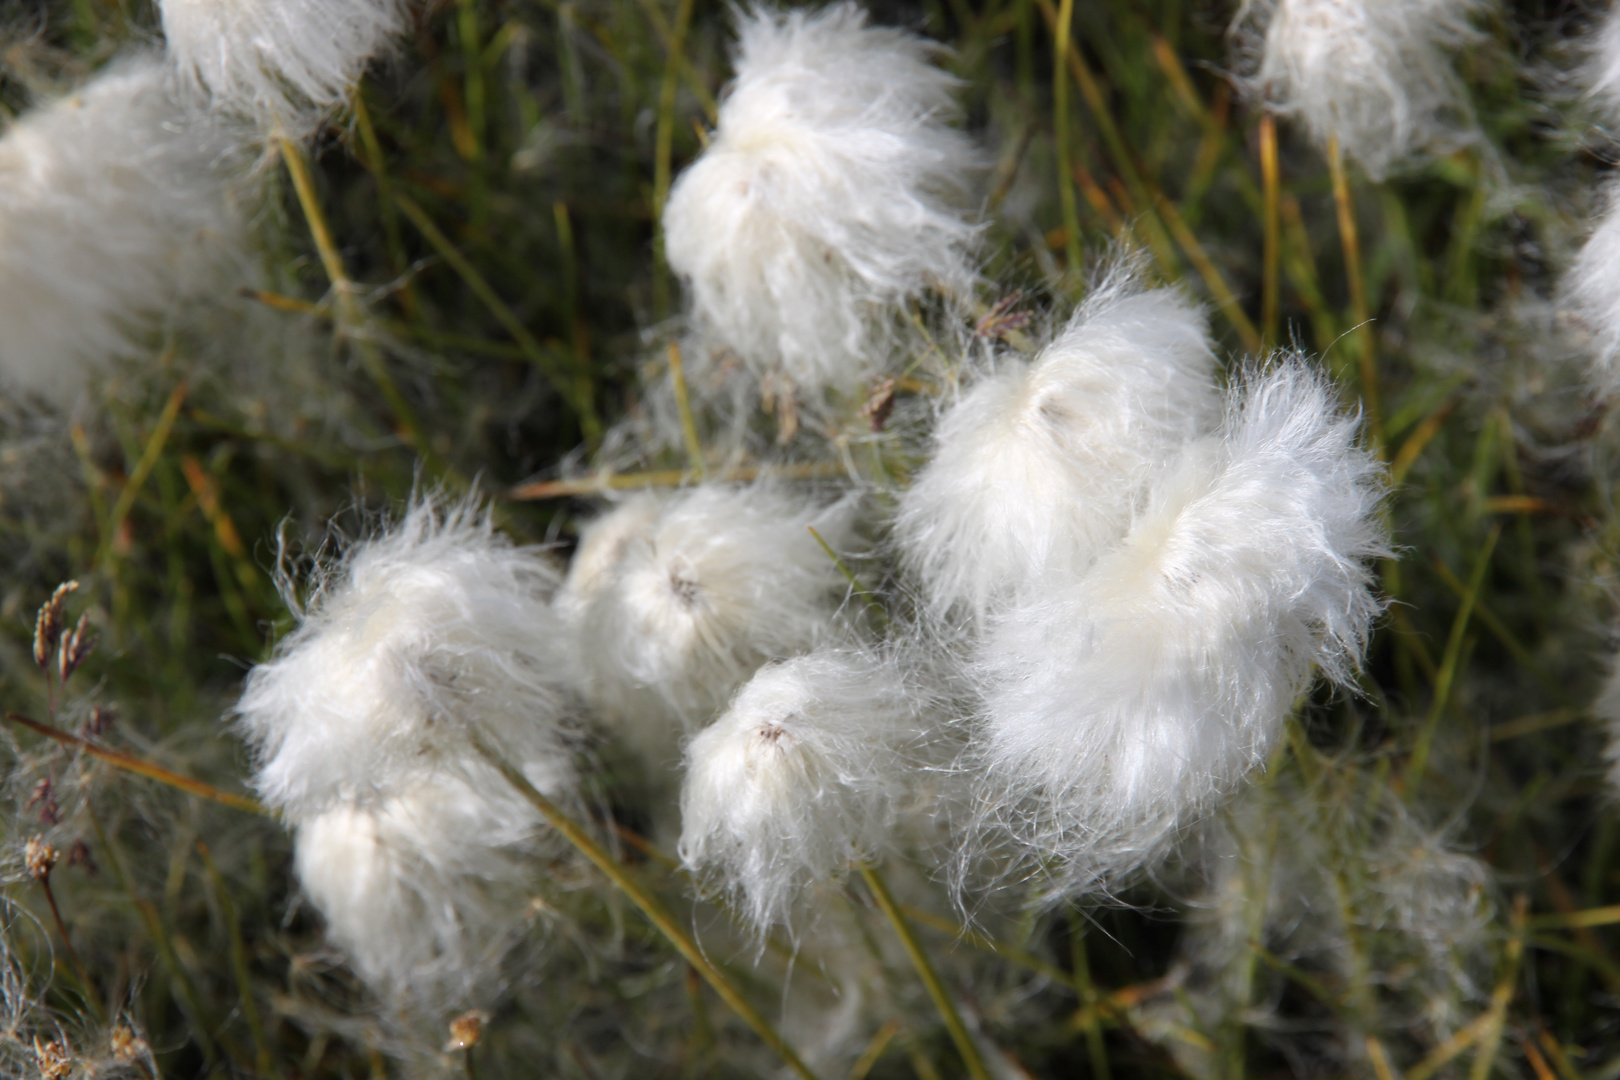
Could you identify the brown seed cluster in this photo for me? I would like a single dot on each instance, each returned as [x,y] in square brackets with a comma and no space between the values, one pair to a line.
[126,1045]
[466,1030]
[48,626]
[40,858]
[52,1059]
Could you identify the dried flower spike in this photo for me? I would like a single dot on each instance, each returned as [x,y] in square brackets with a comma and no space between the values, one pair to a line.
[466,1030]
[52,1059]
[40,858]
[126,1045]
[76,647]
[44,796]
[48,625]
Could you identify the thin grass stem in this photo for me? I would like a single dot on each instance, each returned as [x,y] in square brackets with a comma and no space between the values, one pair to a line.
[1350,241]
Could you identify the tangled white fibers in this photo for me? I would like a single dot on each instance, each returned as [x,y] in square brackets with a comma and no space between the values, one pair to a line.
[1591,290]
[800,778]
[1118,704]
[1375,74]
[676,600]
[1039,467]
[434,629]
[116,205]
[282,64]
[834,187]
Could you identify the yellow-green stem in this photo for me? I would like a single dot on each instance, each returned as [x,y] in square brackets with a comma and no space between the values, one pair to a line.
[1061,133]
[1271,179]
[1350,241]
[649,904]
[663,149]
[930,978]
[683,403]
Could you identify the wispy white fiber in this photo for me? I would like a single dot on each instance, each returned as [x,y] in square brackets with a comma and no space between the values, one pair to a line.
[433,630]
[1039,467]
[1591,291]
[799,779]
[284,64]
[676,600]
[1377,74]
[1118,704]
[422,889]
[834,188]
[1602,68]
[115,206]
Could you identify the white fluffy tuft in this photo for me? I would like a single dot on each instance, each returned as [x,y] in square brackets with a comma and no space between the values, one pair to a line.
[114,207]
[1591,290]
[430,631]
[284,64]
[799,779]
[1038,468]
[423,889]
[1602,68]
[1121,703]
[834,187]
[1375,73]
[675,601]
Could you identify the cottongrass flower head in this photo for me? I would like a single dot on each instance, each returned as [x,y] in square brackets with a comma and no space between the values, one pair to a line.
[676,600]
[1040,466]
[116,205]
[833,189]
[1377,75]
[425,890]
[431,632]
[798,780]
[427,639]
[1590,291]
[1601,73]
[285,65]
[1120,704]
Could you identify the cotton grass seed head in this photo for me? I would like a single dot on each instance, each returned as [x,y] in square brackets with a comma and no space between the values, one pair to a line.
[1119,704]
[834,188]
[1591,292]
[799,779]
[423,890]
[676,600]
[432,630]
[116,205]
[1039,467]
[285,65]
[1377,75]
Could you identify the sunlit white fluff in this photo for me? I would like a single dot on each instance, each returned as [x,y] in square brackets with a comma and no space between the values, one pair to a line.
[798,779]
[1375,73]
[1120,703]
[423,889]
[833,187]
[284,64]
[675,600]
[115,206]
[433,630]
[1039,466]
[1602,69]
[1591,292]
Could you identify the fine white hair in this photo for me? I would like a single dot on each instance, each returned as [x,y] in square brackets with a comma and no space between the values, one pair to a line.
[284,65]
[1591,291]
[1039,467]
[1376,74]
[1119,704]
[433,631]
[833,188]
[676,600]
[1602,69]
[423,889]
[115,206]
[799,779]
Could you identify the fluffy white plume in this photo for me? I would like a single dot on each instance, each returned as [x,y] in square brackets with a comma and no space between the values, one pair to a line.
[799,778]
[833,187]
[432,630]
[115,205]
[1119,703]
[1378,74]
[423,889]
[1039,467]
[283,64]
[1591,291]
[1602,70]
[676,600]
